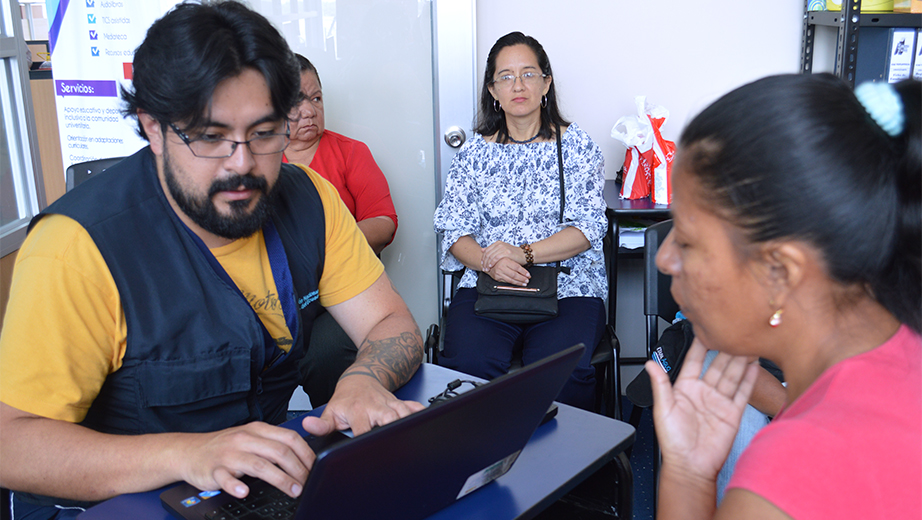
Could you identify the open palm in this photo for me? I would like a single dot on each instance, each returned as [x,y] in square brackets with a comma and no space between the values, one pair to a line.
[697,418]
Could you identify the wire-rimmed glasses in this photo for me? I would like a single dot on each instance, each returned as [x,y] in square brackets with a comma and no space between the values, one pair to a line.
[529,78]
[208,147]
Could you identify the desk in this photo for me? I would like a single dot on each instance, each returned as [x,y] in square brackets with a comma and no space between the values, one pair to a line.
[560,455]
[619,208]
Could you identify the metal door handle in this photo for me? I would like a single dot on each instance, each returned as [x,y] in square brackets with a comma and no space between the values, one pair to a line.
[455,136]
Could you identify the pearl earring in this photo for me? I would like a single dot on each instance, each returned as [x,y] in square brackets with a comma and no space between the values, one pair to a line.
[776,318]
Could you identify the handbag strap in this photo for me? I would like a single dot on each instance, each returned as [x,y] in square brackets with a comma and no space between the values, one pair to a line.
[563,193]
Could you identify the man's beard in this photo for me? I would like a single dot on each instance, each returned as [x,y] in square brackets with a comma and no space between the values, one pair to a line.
[203,212]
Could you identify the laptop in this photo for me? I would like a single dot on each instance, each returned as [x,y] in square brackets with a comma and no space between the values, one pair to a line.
[409,468]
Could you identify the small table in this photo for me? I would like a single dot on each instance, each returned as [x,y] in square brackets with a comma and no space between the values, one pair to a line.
[619,208]
[561,454]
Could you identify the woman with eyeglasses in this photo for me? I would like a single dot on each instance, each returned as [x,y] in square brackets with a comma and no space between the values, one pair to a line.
[350,167]
[501,213]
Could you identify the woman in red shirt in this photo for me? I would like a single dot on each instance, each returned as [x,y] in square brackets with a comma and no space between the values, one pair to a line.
[349,166]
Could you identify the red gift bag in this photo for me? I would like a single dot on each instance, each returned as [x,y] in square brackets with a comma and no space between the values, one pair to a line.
[648,159]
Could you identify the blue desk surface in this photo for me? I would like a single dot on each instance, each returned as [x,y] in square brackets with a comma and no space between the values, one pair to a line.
[560,455]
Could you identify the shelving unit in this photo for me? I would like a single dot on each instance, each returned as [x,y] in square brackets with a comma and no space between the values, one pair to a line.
[850,22]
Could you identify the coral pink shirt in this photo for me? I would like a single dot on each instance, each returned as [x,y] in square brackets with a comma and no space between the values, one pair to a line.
[850,447]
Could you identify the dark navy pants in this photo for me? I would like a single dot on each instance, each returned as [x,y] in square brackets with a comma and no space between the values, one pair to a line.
[483,347]
[23,510]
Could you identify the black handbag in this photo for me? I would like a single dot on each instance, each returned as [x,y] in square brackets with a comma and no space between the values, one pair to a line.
[534,303]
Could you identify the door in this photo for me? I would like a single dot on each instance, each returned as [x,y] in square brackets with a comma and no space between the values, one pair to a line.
[456,94]
[396,75]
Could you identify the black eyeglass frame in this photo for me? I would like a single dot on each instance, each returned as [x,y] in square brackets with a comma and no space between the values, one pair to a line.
[188,142]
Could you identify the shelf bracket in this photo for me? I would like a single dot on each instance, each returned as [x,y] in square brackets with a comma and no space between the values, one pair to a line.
[847,46]
[806,42]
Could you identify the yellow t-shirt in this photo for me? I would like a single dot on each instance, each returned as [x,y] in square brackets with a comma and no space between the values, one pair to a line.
[64,331]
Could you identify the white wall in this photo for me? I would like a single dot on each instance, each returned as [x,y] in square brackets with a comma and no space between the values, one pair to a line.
[375,63]
[681,54]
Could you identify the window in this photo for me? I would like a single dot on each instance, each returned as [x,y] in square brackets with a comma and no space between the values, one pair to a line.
[21,188]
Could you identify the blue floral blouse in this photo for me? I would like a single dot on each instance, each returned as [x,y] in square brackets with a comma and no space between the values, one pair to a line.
[511,192]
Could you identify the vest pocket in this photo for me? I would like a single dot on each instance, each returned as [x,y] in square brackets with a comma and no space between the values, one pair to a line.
[197,394]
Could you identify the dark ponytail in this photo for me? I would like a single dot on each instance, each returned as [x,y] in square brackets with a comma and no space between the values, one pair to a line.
[899,288]
[799,157]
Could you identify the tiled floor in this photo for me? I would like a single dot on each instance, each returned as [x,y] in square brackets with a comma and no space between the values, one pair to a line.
[642,465]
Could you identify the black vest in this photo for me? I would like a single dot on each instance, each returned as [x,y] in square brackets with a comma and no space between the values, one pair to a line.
[195,351]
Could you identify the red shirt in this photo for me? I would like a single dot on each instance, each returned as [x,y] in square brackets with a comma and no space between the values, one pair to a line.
[350,167]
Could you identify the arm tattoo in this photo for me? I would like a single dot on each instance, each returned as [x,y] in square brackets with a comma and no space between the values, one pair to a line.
[392,361]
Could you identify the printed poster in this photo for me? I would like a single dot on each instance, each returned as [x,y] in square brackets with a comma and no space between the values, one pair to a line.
[92,46]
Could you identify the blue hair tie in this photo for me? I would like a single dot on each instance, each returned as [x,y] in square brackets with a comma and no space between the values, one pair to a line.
[884,105]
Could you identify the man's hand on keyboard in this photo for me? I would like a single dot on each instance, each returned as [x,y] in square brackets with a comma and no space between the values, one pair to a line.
[359,403]
[271,453]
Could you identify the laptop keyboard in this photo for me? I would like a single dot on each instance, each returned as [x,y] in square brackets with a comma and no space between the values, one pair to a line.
[267,503]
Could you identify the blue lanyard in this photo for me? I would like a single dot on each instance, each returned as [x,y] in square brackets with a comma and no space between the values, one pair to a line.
[278,262]
[281,272]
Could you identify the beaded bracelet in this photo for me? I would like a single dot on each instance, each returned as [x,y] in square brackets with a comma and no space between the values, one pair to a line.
[529,255]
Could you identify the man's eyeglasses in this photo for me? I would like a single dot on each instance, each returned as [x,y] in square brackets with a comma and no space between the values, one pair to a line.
[528,78]
[209,147]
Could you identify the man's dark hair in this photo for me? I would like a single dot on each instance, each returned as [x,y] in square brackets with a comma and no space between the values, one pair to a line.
[193,48]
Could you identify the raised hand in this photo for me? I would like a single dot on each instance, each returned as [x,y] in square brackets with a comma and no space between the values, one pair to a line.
[697,418]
